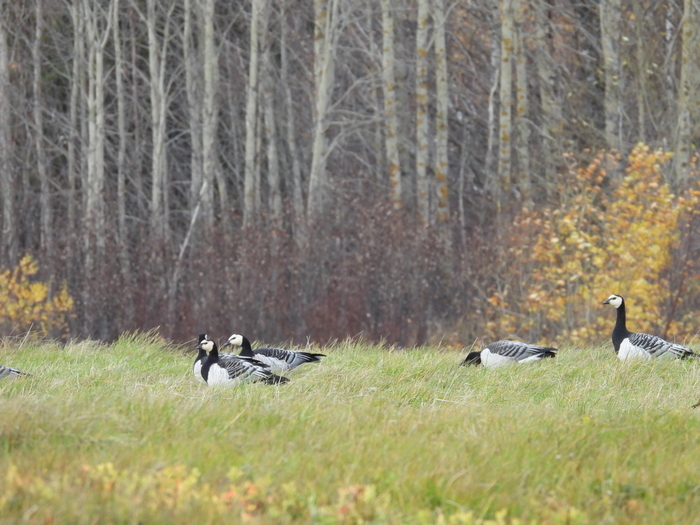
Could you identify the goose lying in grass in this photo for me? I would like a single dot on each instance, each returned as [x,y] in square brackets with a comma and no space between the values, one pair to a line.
[630,345]
[7,371]
[507,352]
[202,357]
[278,359]
[233,370]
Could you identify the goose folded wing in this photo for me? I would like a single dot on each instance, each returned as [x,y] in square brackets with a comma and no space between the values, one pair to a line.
[657,346]
[244,368]
[291,357]
[514,349]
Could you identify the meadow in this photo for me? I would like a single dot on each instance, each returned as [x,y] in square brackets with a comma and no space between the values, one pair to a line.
[122,433]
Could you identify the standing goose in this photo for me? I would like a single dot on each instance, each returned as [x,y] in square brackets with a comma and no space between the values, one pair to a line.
[6,371]
[630,345]
[507,352]
[233,370]
[278,359]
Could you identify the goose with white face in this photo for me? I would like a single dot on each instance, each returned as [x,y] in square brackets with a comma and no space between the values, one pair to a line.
[614,301]
[635,345]
[229,370]
[278,359]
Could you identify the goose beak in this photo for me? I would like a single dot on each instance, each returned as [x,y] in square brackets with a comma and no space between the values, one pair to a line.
[607,301]
[227,343]
[198,347]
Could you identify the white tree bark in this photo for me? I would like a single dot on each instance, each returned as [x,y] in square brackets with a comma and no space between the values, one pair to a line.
[250,182]
[391,121]
[296,181]
[122,132]
[97,33]
[273,170]
[610,16]
[210,165]
[193,89]
[521,108]
[441,115]
[9,233]
[506,102]
[422,124]
[688,98]
[550,105]
[46,212]
[157,54]
[325,37]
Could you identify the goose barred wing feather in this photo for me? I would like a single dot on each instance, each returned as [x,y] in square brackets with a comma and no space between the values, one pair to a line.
[280,359]
[517,350]
[657,347]
[244,369]
[6,371]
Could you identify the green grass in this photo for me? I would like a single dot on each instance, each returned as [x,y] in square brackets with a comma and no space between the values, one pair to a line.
[122,433]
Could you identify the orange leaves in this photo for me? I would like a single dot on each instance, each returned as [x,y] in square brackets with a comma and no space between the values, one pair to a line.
[25,304]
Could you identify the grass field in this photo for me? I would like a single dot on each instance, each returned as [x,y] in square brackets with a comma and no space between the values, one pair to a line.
[122,433]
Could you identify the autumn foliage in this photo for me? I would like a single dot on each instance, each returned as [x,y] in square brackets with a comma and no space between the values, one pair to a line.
[26,304]
[609,235]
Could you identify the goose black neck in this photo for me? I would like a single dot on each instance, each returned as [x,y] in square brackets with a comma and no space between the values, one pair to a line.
[212,359]
[474,358]
[246,349]
[620,331]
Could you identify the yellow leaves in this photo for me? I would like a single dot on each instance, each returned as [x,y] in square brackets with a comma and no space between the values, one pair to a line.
[25,304]
[606,236]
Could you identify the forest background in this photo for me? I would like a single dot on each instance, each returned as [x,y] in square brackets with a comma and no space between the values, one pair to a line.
[408,171]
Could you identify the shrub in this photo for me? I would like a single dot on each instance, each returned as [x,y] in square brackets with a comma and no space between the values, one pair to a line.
[607,236]
[26,304]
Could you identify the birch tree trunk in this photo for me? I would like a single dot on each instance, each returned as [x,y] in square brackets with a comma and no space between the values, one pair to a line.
[551,109]
[273,171]
[122,135]
[441,115]
[193,88]
[94,202]
[422,125]
[296,182]
[122,229]
[688,98]
[210,167]
[9,233]
[46,227]
[156,66]
[639,7]
[506,101]
[610,15]
[493,181]
[390,118]
[325,35]
[250,183]
[521,109]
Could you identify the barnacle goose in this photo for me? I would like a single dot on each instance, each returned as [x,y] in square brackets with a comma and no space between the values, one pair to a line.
[197,366]
[233,370]
[630,345]
[278,359]
[6,371]
[202,357]
[507,352]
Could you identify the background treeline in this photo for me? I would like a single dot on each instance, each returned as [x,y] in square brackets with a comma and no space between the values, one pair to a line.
[298,168]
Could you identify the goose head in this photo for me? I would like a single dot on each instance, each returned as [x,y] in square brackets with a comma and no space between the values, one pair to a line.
[614,300]
[234,340]
[207,345]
